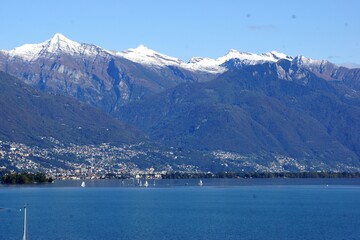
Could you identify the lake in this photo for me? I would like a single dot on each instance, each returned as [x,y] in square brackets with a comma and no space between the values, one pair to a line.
[307,209]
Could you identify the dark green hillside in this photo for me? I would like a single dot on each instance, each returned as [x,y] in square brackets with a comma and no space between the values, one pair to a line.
[252,111]
[28,114]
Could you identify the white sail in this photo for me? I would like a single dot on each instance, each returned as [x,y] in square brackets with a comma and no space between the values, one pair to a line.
[201,183]
[83,184]
[146,184]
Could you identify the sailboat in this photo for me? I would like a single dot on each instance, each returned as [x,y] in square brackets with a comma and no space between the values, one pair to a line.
[146,184]
[83,184]
[200,183]
[154,183]
[140,184]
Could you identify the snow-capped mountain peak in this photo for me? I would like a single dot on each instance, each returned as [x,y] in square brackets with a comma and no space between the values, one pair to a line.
[301,60]
[60,43]
[59,37]
[56,45]
[234,54]
[143,48]
[216,65]
[252,58]
[146,56]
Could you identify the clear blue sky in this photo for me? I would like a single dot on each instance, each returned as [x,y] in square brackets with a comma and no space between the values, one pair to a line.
[322,29]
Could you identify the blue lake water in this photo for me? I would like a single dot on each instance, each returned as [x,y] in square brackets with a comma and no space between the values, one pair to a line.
[179,209]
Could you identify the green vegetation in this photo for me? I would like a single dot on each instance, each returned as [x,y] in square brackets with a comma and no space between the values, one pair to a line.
[181,175]
[255,115]
[25,178]
[34,115]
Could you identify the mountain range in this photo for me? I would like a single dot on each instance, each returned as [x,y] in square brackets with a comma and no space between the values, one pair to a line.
[110,79]
[262,107]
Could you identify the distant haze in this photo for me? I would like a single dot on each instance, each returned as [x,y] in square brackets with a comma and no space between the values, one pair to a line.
[349,65]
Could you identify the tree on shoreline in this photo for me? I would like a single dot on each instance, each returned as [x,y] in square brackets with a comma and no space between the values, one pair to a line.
[25,178]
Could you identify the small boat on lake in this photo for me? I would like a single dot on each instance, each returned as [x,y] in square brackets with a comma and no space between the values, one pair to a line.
[83,184]
[146,184]
[201,183]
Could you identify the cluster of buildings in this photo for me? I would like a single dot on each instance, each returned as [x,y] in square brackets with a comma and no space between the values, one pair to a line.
[136,161]
[77,162]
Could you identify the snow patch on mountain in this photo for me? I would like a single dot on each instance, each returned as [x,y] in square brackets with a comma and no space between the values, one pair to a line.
[214,65]
[26,52]
[301,60]
[204,65]
[56,45]
[59,44]
[146,56]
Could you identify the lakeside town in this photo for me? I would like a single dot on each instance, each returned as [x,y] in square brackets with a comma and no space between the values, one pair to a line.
[134,161]
[77,162]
